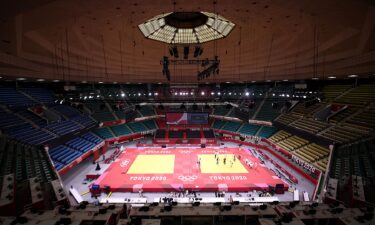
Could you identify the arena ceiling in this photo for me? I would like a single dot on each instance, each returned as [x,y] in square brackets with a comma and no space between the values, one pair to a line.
[96,40]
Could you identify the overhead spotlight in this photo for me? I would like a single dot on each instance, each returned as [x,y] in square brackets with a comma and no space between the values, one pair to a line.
[186,52]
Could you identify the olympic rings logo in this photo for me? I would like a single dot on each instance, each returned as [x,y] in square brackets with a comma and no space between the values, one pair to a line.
[187,178]
[124,163]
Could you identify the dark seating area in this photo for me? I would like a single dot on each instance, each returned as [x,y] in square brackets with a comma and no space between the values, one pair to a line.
[12,98]
[208,134]
[175,134]
[66,153]
[63,127]
[193,134]
[24,161]
[40,94]
[66,110]
[160,133]
[31,135]
[85,121]
[30,116]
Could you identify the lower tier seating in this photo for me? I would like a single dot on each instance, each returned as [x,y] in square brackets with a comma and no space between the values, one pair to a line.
[63,155]
[266,132]
[24,161]
[356,159]
[248,129]
[104,132]
[281,135]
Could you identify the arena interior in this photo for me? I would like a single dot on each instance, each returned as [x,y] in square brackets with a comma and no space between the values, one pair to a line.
[192,112]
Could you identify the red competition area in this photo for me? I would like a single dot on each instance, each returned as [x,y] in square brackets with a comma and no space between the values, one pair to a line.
[185,173]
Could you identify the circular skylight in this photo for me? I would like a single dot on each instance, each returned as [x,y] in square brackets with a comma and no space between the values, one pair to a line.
[186,27]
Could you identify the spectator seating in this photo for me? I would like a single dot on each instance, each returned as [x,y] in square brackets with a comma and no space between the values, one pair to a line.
[92,138]
[208,134]
[356,159]
[332,91]
[84,121]
[137,127]
[231,126]
[64,155]
[287,118]
[147,111]
[96,106]
[121,130]
[364,119]
[350,110]
[301,109]
[104,132]
[160,134]
[322,164]
[218,124]
[193,134]
[343,134]
[41,122]
[279,136]
[309,125]
[63,127]
[175,134]
[248,129]
[360,95]
[267,112]
[24,161]
[266,132]
[8,120]
[30,135]
[292,143]
[12,98]
[120,115]
[66,110]
[312,152]
[103,116]
[80,144]
[150,124]
[221,110]
[40,94]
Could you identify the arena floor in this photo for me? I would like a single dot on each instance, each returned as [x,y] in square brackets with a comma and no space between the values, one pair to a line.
[165,170]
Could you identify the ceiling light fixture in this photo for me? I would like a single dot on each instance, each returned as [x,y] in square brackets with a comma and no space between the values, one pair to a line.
[352,75]
[186,27]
